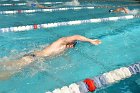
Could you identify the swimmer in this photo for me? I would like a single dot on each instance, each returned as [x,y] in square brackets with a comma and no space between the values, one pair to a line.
[125,10]
[53,49]
[36,5]
[72,3]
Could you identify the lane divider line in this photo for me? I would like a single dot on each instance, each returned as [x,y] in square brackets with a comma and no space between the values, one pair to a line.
[97,82]
[69,23]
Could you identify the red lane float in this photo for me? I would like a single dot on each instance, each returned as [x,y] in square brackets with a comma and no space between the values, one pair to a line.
[35,26]
[91,85]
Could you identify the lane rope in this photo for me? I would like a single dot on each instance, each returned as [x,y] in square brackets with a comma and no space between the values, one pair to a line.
[97,82]
[43,10]
[23,4]
[69,23]
[62,9]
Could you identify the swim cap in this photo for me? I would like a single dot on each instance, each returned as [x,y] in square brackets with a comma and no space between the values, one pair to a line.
[111,10]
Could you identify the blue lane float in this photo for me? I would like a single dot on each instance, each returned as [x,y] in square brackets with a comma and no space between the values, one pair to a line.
[69,23]
[91,84]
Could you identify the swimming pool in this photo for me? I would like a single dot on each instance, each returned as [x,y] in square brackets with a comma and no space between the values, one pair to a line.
[120,48]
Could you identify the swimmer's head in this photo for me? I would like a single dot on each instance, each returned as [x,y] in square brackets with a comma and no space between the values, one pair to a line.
[110,11]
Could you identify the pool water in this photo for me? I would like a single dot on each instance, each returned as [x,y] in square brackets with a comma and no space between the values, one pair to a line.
[120,47]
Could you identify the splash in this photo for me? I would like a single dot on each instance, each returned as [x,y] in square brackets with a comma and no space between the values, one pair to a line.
[8,69]
[134,12]
[72,3]
[35,68]
[10,65]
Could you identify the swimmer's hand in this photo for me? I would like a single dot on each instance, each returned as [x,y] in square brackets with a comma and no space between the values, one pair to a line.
[96,42]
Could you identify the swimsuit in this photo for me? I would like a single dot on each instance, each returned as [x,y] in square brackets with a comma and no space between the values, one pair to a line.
[30,54]
[74,43]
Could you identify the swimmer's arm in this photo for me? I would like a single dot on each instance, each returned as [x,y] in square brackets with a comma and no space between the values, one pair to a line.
[84,39]
[125,10]
[41,6]
[118,10]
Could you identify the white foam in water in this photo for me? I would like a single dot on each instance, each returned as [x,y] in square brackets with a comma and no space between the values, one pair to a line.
[36,67]
[6,67]
[135,11]
[14,54]
[72,3]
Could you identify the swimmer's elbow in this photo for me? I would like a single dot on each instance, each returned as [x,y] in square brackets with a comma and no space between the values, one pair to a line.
[74,37]
[77,36]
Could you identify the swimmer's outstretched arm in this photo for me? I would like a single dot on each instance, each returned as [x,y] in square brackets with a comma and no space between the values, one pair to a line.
[82,38]
[42,6]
